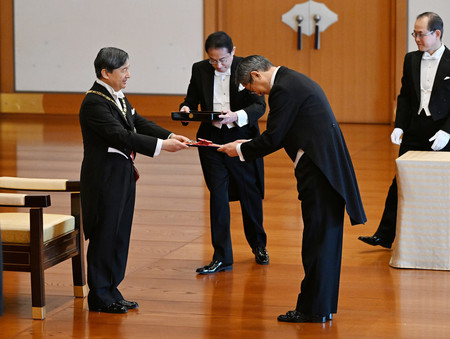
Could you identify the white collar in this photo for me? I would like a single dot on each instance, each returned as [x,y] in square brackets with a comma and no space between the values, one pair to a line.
[227,72]
[272,79]
[436,55]
[111,90]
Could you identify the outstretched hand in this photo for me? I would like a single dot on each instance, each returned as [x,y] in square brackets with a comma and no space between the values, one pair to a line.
[180,138]
[175,143]
[230,148]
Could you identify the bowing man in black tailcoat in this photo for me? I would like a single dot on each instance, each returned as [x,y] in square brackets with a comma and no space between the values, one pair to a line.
[301,121]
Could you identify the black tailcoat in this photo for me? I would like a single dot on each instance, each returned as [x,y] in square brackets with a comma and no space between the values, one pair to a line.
[108,187]
[300,117]
[417,129]
[227,178]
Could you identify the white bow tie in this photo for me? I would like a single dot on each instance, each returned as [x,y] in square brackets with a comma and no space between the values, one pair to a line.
[227,72]
[427,56]
[118,94]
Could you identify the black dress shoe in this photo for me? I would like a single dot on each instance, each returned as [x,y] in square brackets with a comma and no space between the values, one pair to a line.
[298,317]
[261,255]
[113,308]
[374,241]
[130,305]
[214,267]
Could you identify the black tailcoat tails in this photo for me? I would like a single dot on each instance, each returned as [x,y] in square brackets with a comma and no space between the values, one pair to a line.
[300,117]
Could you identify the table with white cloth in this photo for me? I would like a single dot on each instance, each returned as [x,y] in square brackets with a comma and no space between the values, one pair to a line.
[423,218]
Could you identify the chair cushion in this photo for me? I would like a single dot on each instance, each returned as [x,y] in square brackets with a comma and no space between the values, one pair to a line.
[15,227]
[33,184]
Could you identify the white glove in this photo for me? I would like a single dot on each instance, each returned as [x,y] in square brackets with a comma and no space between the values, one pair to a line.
[185,109]
[228,117]
[441,139]
[396,136]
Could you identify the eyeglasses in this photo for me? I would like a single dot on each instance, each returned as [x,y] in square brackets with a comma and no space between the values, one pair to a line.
[221,60]
[420,35]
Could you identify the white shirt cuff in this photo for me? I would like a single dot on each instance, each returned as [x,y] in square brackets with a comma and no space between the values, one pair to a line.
[238,150]
[242,118]
[297,158]
[158,147]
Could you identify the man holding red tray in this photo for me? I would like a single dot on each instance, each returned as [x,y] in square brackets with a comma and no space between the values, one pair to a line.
[212,86]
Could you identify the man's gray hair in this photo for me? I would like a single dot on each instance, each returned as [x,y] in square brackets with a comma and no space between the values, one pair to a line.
[248,65]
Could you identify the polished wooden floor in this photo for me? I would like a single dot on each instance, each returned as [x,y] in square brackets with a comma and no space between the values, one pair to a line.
[171,239]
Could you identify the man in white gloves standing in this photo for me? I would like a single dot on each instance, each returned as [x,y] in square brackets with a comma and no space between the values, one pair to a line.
[422,120]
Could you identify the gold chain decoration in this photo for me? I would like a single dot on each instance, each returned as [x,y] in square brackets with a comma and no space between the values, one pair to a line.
[122,109]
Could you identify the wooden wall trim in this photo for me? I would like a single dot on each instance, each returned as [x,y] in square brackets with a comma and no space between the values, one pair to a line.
[400,47]
[63,103]
[6,47]
[20,103]
[209,17]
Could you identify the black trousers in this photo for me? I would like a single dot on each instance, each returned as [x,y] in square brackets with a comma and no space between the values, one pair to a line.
[218,171]
[416,138]
[323,219]
[108,246]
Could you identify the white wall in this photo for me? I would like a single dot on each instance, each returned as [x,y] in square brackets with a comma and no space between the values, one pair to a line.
[416,7]
[56,42]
